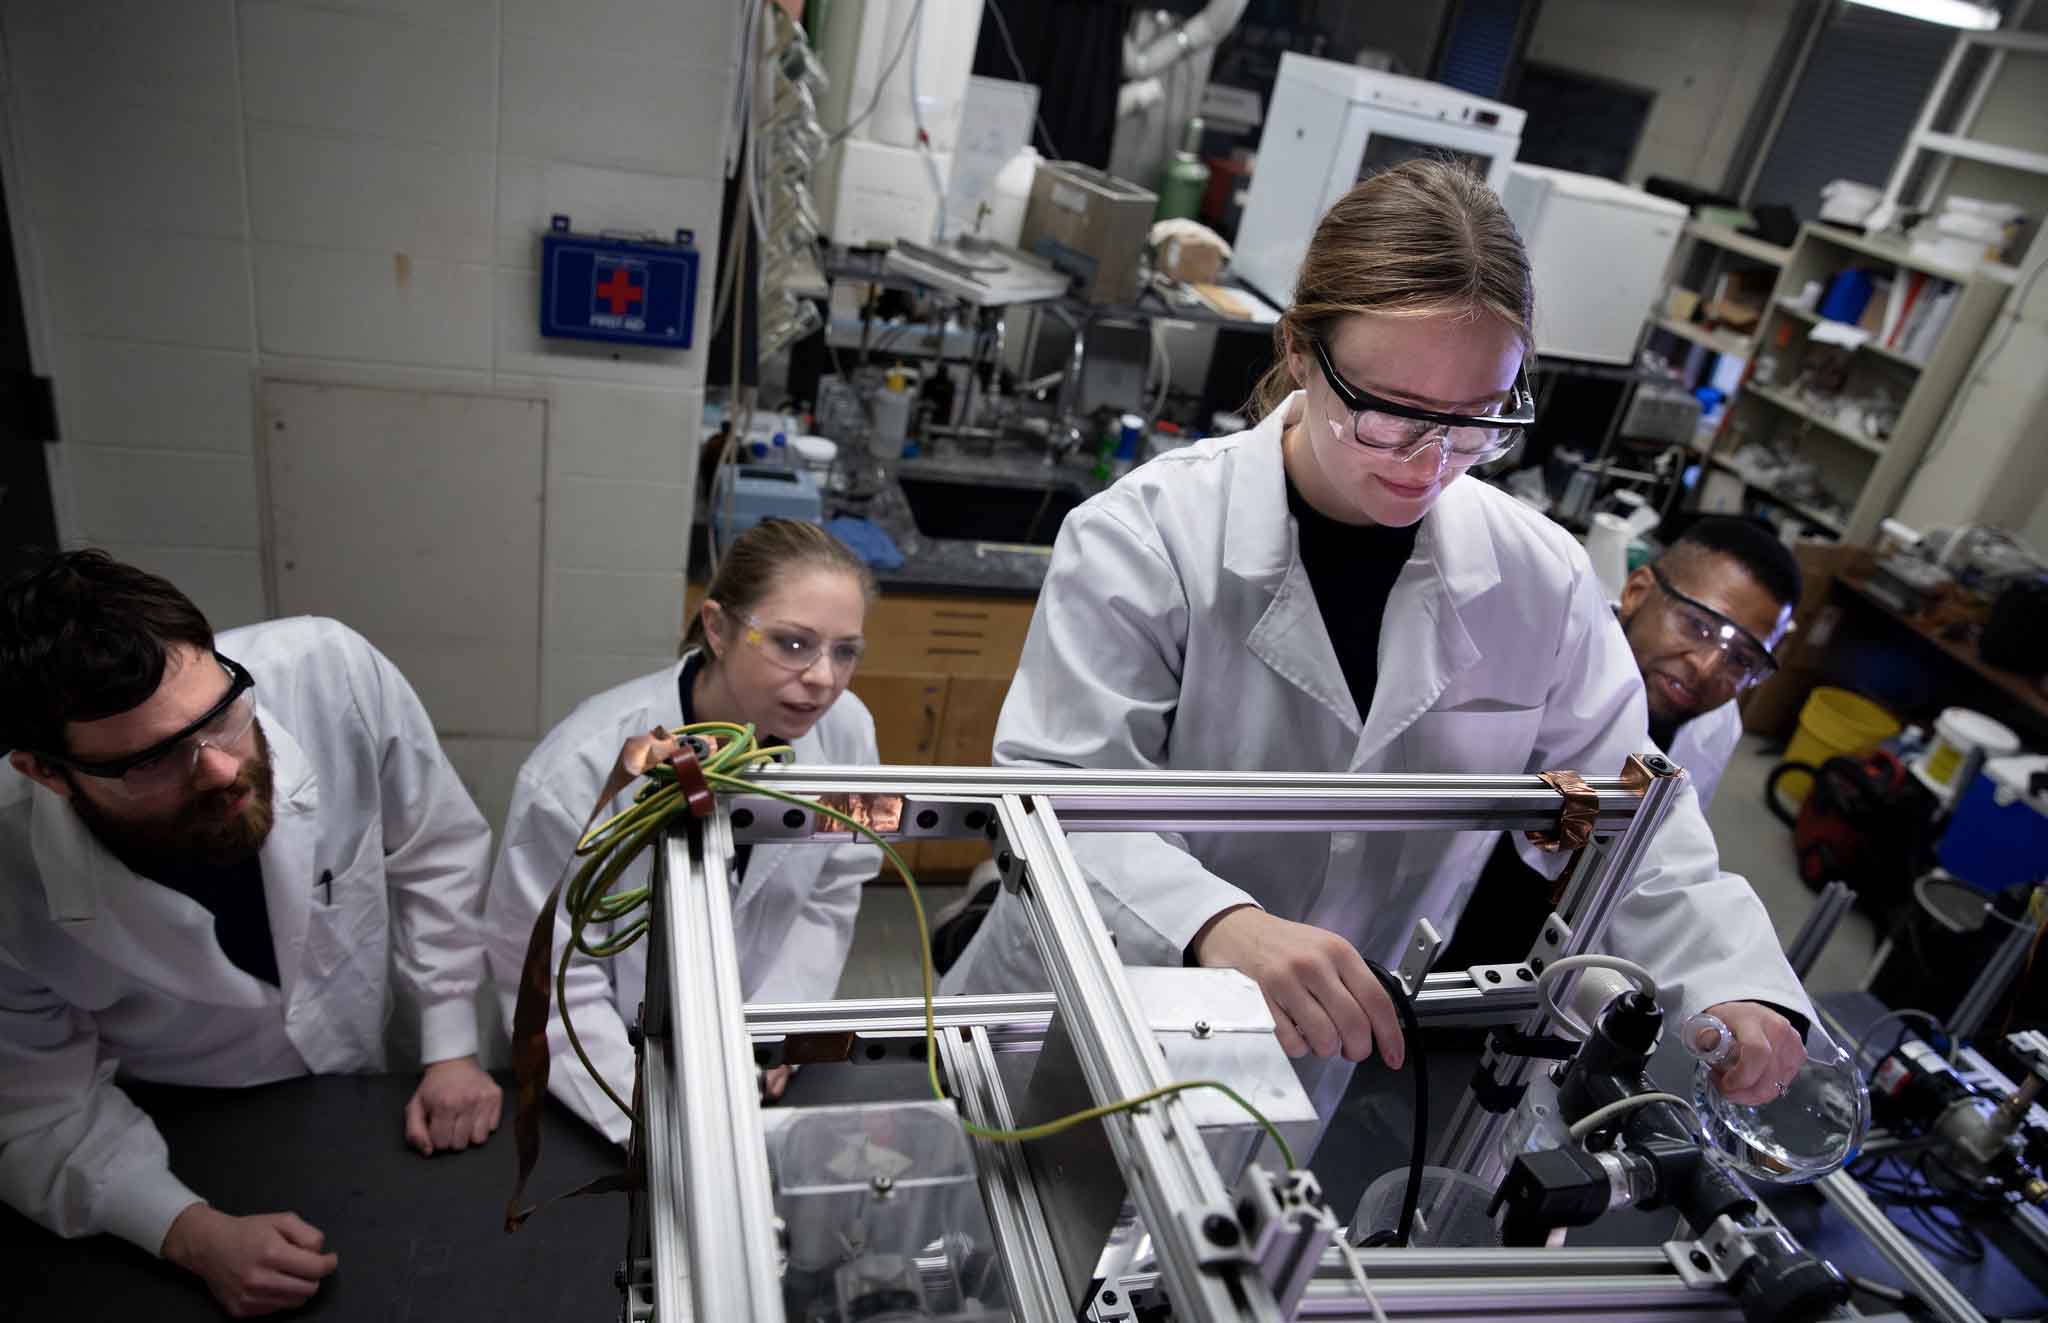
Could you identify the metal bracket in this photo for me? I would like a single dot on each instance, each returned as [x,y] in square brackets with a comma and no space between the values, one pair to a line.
[1423,944]
[1288,1226]
[1218,1237]
[1714,1260]
[1112,1304]
[1501,978]
[1554,939]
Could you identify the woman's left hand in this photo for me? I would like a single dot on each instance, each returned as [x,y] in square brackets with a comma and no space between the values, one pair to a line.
[1769,1052]
[641,752]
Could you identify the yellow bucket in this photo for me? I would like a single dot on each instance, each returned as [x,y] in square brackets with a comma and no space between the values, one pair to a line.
[1833,722]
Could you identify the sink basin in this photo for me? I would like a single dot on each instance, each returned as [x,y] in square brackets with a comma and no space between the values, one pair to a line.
[989,511]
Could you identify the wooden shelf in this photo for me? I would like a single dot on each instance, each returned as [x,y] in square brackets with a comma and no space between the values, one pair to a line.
[1806,512]
[1868,346]
[1720,236]
[1790,404]
[1721,342]
[1899,254]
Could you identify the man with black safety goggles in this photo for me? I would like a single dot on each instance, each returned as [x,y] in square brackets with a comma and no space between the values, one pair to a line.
[1703,622]
[218,858]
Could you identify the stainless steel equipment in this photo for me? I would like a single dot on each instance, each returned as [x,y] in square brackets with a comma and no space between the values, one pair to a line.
[1090,225]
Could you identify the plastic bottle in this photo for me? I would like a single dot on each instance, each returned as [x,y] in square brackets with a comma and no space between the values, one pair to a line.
[892,417]
[1815,1127]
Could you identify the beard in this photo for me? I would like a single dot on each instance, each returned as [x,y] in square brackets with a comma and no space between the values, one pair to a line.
[197,836]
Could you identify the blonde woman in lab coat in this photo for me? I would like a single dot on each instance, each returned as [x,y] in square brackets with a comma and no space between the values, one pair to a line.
[1323,593]
[774,643]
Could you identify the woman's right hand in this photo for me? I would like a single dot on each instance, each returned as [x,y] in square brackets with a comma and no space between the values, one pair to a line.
[1323,998]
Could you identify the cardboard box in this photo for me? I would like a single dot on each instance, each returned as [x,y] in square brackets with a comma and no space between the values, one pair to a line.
[1739,300]
[1772,708]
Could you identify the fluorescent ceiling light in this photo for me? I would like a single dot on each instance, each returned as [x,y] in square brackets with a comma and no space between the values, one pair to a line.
[1948,13]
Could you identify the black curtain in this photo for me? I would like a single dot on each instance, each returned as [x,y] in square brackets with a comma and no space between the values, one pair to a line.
[1073,50]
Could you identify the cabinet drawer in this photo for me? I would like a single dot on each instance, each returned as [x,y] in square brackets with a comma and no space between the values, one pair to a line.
[953,635]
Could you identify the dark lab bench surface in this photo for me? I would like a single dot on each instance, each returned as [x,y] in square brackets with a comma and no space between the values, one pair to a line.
[421,1240]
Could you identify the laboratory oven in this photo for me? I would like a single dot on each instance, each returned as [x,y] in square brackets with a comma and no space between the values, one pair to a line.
[1331,125]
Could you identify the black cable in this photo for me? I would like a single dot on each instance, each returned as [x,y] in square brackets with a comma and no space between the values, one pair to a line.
[1418,1064]
[995,11]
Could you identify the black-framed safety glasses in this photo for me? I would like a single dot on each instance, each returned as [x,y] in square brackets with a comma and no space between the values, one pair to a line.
[1701,625]
[168,763]
[1403,430]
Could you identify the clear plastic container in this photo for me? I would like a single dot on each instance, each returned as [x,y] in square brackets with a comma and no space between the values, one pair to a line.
[1814,1128]
[1450,1214]
[882,1215]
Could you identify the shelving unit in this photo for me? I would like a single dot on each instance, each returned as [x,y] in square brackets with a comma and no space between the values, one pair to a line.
[1812,318]
[1725,240]
[1864,474]
[1981,141]
[1720,236]
[1812,516]
[1790,404]
[1721,342]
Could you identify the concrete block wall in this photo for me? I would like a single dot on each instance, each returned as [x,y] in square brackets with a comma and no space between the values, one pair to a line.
[1706,60]
[205,193]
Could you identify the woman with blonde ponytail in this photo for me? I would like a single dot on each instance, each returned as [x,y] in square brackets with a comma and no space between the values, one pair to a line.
[773,645]
[1325,593]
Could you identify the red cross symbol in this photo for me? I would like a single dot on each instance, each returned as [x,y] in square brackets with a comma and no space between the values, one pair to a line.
[619,291]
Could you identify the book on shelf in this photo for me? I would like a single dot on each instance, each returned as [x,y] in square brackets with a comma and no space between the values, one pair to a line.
[1907,289]
[1923,332]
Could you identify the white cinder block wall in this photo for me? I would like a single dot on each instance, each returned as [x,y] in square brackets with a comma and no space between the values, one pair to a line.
[1706,61]
[206,193]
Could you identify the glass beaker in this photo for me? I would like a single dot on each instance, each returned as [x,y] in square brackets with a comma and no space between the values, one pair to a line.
[1815,1127]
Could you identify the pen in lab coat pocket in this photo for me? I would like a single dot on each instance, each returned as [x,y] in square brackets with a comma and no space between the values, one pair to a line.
[326,886]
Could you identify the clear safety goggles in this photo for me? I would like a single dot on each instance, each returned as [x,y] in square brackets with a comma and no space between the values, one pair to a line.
[794,648]
[167,765]
[1744,657]
[1403,431]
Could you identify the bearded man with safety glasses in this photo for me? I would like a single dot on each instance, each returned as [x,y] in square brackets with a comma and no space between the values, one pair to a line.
[215,853]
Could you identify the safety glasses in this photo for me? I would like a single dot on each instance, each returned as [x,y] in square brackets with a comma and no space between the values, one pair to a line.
[794,648]
[1403,431]
[167,765]
[1700,626]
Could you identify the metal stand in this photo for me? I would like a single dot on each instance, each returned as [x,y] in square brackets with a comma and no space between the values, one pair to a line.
[1829,909]
[1941,1295]
[705,1225]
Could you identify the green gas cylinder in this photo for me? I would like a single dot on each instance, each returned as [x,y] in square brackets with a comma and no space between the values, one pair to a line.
[1184,177]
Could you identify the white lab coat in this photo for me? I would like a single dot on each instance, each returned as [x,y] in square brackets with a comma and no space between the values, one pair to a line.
[792,915]
[1703,747]
[1177,630]
[104,973]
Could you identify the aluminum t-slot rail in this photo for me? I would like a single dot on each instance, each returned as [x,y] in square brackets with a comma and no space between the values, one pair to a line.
[1016,1022]
[1571,1284]
[713,1180]
[953,802]
[710,1207]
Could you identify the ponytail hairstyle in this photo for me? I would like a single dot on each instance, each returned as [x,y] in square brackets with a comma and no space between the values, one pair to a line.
[1421,239]
[763,557]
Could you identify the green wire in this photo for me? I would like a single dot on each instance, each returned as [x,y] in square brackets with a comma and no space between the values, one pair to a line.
[614,845]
